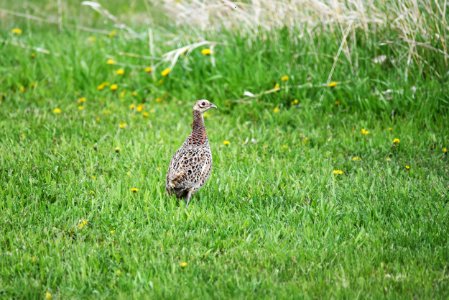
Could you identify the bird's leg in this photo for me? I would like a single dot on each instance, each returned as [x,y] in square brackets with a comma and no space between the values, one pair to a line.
[189,195]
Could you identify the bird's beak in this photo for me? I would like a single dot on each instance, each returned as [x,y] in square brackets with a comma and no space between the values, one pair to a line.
[213,105]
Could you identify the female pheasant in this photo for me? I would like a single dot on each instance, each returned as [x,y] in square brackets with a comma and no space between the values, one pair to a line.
[191,165]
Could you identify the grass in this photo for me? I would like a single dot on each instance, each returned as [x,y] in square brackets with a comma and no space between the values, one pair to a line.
[273,221]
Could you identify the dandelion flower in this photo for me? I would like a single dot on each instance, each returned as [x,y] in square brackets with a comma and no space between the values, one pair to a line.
[206,51]
[134,190]
[356,158]
[48,295]
[81,107]
[364,131]
[158,100]
[284,78]
[82,223]
[110,61]
[112,34]
[295,102]
[332,84]
[82,100]
[148,69]
[120,71]
[338,172]
[165,72]
[16,31]
[92,39]
[122,125]
[145,114]
[113,87]
[132,106]
[140,108]
[277,87]
[396,141]
[226,143]
[102,85]
[444,150]
[183,264]
[22,89]
[407,167]
[276,110]
[57,111]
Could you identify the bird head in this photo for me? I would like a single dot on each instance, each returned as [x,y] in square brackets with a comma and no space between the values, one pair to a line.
[203,105]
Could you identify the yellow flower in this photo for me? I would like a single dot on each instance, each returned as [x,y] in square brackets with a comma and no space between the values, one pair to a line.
[407,167]
[277,87]
[112,33]
[444,150]
[295,102]
[140,108]
[120,72]
[332,84]
[276,110]
[48,295]
[92,39]
[206,51]
[284,78]
[338,172]
[82,223]
[81,107]
[57,111]
[226,142]
[102,85]
[117,149]
[132,106]
[145,114]
[148,69]
[113,87]
[122,125]
[93,177]
[112,232]
[183,264]
[82,100]
[16,31]
[22,89]
[158,100]
[364,131]
[134,190]
[356,158]
[135,94]
[165,72]
[110,61]
[396,141]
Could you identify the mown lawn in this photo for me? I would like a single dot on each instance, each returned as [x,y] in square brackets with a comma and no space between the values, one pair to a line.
[316,191]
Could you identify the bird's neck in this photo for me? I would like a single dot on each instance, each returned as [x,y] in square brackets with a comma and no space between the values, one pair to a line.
[198,135]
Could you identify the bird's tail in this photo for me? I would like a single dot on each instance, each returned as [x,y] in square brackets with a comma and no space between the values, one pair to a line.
[175,179]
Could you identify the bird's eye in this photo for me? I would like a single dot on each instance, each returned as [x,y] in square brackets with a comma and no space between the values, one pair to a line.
[203,103]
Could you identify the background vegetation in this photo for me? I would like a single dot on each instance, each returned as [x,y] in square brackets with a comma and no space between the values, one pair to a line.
[330,174]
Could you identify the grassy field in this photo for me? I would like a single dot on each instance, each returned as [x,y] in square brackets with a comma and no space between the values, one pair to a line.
[326,188]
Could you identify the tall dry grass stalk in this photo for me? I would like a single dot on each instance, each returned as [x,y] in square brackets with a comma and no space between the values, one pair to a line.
[420,24]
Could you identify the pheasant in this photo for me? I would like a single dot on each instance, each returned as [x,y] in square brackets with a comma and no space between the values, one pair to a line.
[191,165]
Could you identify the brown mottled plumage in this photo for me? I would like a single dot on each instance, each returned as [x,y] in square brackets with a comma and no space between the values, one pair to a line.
[191,165]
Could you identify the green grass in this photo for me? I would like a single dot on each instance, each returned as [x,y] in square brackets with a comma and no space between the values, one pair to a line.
[272,222]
